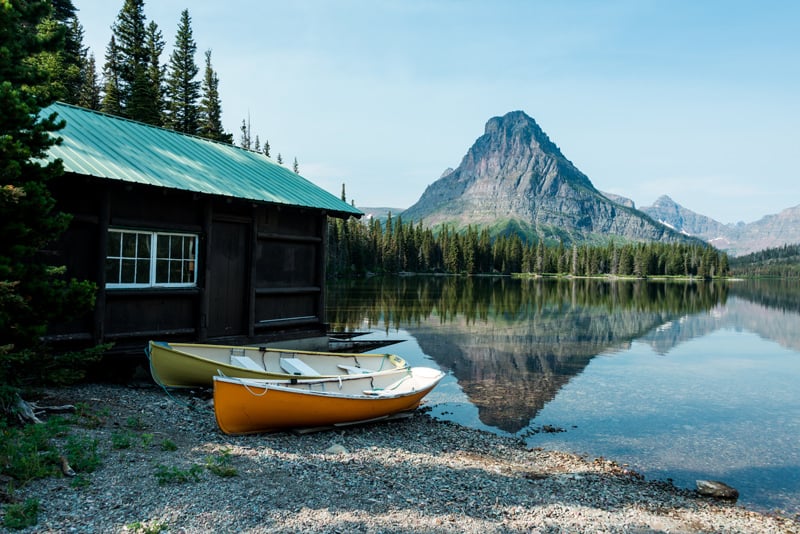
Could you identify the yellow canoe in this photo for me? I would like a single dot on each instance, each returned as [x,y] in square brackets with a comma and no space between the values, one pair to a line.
[245,406]
[194,365]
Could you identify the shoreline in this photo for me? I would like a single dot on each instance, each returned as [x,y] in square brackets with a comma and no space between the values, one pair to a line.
[415,474]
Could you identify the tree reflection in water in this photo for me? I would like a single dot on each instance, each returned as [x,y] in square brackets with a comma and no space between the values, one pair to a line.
[513,343]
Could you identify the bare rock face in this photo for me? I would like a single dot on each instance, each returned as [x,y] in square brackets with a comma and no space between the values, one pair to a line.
[736,239]
[515,174]
[716,489]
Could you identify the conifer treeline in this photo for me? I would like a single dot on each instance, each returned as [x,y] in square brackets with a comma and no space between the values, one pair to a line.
[782,262]
[356,247]
[133,82]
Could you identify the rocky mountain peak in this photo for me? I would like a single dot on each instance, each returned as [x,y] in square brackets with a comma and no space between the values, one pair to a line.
[515,175]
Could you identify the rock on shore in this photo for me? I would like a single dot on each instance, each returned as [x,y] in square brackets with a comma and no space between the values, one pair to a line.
[412,475]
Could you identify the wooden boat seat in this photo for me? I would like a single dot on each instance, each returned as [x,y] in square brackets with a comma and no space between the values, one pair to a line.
[351,370]
[245,362]
[296,366]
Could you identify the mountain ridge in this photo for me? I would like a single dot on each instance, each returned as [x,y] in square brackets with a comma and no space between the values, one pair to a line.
[516,175]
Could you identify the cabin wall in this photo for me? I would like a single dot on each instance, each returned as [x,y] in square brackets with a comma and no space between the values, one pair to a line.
[260,268]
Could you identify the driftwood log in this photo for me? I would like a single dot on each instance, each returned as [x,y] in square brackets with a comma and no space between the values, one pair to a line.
[28,413]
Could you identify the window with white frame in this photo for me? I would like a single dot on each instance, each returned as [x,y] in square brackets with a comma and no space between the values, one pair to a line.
[149,259]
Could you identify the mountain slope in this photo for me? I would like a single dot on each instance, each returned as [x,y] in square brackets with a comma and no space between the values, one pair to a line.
[736,239]
[514,176]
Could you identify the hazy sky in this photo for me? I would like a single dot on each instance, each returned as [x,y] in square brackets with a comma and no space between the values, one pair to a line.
[698,100]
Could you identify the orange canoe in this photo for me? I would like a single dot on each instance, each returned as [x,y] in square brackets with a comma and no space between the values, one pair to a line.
[246,406]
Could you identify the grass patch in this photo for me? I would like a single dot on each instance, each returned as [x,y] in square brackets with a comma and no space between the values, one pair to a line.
[135,422]
[147,527]
[122,439]
[166,474]
[221,465]
[23,515]
[82,453]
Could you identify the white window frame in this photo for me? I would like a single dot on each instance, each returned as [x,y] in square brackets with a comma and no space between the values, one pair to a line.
[118,257]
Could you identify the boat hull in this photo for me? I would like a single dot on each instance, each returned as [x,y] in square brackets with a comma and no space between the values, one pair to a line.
[187,365]
[246,407]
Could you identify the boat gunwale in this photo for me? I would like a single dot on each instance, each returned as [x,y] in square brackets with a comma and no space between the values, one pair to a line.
[283,386]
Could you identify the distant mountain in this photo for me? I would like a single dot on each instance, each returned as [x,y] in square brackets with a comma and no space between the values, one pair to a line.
[667,211]
[380,213]
[514,178]
[736,239]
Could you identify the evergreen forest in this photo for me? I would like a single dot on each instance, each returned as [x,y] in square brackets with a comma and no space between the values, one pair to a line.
[136,79]
[780,262]
[356,248]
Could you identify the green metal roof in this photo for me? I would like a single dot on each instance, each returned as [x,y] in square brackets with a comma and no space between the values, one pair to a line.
[104,146]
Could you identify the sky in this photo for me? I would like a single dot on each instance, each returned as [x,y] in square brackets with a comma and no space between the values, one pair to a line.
[697,100]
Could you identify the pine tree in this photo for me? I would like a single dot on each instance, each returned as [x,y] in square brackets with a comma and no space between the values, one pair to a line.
[136,99]
[279,159]
[112,92]
[296,166]
[244,139]
[32,293]
[266,148]
[89,95]
[154,43]
[183,91]
[65,66]
[211,107]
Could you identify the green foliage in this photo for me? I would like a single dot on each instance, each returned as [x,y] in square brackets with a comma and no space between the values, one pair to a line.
[221,465]
[32,292]
[355,248]
[147,527]
[168,445]
[87,417]
[135,422]
[122,439]
[28,453]
[211,108]
[82,453]
[782,262]
[19,516]
[80,481]
[183,91]
[174,475]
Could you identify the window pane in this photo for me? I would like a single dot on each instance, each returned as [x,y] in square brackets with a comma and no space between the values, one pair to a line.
[143,271]
[143,250]
[163,246]
[129,245]
[189,272]
[114,242]
[162,271]
[112,271]
[175,271]
[128,272]
[175,247]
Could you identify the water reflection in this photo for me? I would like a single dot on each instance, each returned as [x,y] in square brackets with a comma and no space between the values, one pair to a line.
[513,343]
[681,380]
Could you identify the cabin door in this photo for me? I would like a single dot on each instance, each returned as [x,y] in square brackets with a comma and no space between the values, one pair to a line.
[227,279]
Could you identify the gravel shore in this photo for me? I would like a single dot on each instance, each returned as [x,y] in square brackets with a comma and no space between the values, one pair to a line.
[166,467]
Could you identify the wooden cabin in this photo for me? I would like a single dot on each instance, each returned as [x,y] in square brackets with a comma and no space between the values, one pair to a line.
[187,239]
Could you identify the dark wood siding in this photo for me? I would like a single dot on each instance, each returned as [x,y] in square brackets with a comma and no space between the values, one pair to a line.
[261,273]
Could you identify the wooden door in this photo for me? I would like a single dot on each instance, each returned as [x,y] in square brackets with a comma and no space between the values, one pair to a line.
[228,279]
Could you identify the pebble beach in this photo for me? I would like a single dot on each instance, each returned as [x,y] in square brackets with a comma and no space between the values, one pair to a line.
[176,472]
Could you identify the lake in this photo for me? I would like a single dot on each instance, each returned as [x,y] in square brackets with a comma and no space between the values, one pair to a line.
[680,380]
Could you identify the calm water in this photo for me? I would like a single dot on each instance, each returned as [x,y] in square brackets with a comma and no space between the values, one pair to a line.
[679,380]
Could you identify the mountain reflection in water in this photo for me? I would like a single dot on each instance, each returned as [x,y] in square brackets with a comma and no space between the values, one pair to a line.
[700,382]
[513,343]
